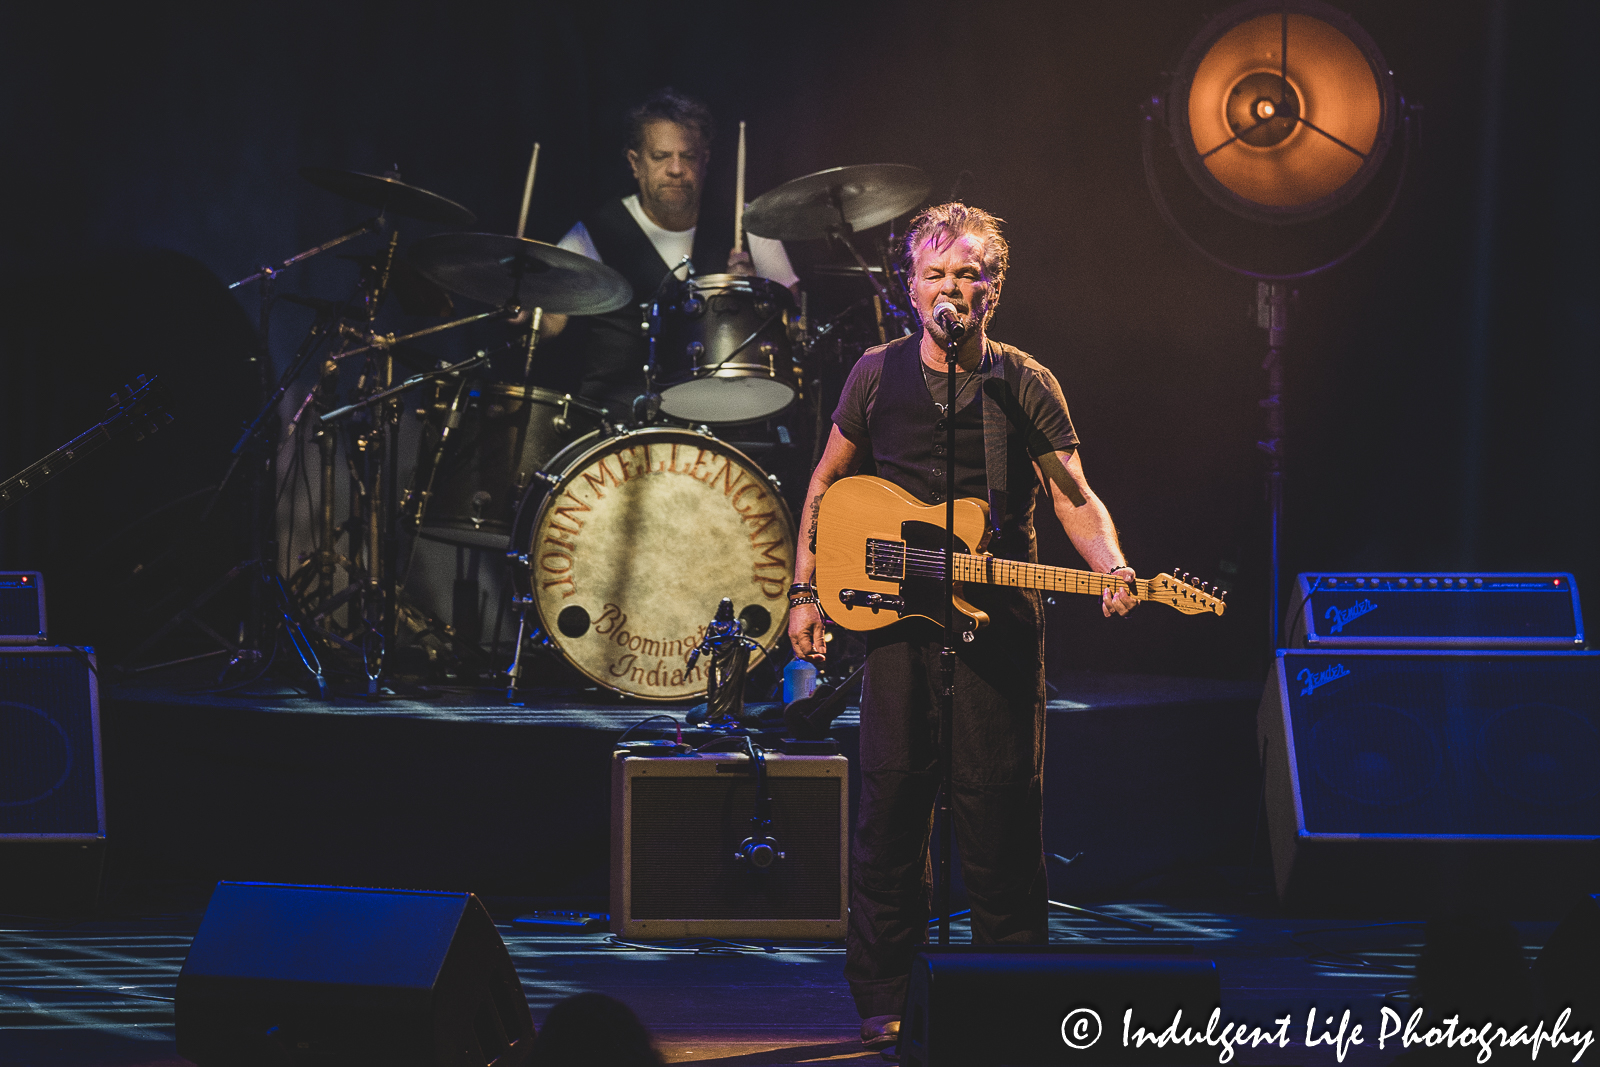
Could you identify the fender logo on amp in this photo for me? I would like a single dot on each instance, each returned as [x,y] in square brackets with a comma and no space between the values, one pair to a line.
[1311,681]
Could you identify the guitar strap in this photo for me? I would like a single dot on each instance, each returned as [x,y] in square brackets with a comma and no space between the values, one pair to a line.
[1001,388]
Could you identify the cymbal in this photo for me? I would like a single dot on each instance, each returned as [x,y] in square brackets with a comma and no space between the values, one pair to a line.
[498,269]
[809,207]
[391,195]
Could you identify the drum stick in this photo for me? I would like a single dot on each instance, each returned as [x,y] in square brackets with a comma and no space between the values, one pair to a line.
[527,190]
[738,196]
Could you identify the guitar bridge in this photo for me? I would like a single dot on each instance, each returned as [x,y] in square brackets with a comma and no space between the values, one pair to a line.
[886,560]
[864,598]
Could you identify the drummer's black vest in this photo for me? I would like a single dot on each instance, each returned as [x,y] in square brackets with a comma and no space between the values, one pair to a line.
[616,348]
[908,445]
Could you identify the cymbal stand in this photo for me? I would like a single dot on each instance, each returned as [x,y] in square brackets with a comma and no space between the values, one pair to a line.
[842,233]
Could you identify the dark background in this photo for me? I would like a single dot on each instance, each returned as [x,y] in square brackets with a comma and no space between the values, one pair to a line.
[1439,386]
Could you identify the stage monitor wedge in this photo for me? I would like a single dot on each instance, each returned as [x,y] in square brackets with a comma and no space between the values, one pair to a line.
[993,1005]
[359,977]
[1420,782]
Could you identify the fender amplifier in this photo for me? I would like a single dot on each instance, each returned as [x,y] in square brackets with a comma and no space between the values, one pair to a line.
[1445,610]
[1414,781]
[22,608]
[687,860]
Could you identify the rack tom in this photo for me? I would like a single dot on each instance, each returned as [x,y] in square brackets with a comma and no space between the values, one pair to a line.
[723,350]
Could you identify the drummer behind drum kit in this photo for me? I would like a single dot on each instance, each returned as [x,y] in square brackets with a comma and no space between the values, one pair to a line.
[622,540]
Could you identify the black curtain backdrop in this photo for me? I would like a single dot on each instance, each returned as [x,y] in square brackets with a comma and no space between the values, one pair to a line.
[1439,385]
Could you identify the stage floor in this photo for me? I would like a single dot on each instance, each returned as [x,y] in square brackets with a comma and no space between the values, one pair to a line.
[99,993]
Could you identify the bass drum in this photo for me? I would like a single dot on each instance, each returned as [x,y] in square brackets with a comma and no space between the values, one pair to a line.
[634,540]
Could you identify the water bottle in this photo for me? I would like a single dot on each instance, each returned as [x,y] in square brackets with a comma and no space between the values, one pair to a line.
[799,679]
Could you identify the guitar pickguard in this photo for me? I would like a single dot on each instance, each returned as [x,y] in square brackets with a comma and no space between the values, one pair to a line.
[916,561]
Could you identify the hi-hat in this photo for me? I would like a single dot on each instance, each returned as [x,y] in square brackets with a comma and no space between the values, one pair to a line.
[815,205]
[499,269]
[392,196]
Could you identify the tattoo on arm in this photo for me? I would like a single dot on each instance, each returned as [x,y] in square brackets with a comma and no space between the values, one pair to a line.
[816,506]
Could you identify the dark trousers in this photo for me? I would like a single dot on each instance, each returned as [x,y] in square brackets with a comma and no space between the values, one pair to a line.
[997,801]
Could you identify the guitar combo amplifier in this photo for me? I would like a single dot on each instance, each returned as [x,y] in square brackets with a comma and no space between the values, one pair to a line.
[683,863]
[1410,610]
[22,619]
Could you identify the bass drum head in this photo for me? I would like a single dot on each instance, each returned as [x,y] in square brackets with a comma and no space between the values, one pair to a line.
[637,543]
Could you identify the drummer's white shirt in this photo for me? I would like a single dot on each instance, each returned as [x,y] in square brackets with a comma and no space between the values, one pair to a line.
[768,255]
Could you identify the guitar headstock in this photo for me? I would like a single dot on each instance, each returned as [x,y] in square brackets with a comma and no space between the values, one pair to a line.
[133,412]
[1186,594]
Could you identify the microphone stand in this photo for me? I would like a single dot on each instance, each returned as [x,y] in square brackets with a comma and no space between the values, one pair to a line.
[947,655]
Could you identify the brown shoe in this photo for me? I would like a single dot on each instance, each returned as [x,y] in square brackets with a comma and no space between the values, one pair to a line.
[880,1032]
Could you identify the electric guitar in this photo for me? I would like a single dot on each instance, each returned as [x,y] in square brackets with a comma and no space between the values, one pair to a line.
[880,559]
[131,414]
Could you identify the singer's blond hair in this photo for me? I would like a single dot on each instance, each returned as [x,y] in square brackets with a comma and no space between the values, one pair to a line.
[940,226]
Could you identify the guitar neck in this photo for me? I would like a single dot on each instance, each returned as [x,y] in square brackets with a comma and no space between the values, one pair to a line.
[14,488]
[992,571]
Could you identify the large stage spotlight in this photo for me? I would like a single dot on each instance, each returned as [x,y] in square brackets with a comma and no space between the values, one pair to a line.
[1282,113]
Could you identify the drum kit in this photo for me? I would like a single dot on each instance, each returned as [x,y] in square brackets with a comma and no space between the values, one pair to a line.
[621,539]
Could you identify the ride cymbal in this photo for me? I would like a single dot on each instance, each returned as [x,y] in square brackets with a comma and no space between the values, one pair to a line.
[392,196]
[813,206]
[499,269]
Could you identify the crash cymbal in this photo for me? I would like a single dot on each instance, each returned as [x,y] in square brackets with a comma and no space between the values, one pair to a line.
[501,270]
[810,207]
[393,196]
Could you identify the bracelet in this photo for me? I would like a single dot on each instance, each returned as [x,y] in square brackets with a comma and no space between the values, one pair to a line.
[796,601]
[802,587]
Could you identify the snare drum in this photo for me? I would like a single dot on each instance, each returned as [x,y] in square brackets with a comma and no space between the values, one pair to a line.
[723,353]
[469,494]
[637,539]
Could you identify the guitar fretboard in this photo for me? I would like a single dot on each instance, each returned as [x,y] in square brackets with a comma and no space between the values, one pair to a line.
[993,571]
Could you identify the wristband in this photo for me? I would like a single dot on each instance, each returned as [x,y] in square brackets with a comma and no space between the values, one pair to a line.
[802,587]
[796,601]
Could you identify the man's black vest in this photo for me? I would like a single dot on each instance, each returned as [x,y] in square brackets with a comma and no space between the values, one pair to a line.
[908,444]
[616,348]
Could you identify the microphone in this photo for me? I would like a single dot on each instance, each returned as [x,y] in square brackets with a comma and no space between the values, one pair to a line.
[944,313]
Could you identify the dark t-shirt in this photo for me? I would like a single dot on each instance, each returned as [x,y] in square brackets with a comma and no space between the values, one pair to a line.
[1041,399]
[901,449]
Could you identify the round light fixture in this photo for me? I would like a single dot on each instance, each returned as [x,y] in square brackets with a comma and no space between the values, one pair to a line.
[1282,111]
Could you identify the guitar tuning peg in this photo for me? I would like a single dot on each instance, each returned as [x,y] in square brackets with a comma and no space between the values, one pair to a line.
[1224,595]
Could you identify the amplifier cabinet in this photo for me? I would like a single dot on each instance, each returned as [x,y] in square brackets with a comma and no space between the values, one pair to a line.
[1399,780]
[22,620]
[1444,610]
[52,795]
[677,827]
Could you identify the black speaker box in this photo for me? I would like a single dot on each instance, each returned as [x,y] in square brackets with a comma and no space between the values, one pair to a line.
[1408,783]
[287,974]
[1425,611]
[52,798]
[970,1006]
